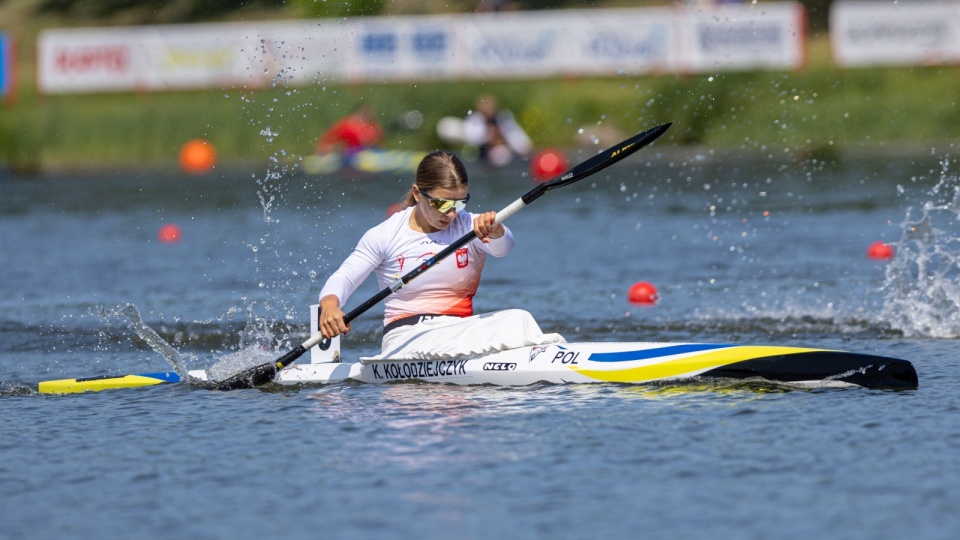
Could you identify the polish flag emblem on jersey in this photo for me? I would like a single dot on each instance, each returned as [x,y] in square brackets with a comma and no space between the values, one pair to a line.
[462,259]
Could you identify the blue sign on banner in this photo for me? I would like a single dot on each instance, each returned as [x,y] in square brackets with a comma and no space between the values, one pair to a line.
[6,65]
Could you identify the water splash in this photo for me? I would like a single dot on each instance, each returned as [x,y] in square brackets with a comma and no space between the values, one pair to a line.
[921,289]
[231,364]
[148,334]
[275,113]
[257,346]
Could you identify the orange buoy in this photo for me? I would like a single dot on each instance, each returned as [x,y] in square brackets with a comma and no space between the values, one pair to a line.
[879,251]
[643,293]
[547,164]
[169,234]
[197,156]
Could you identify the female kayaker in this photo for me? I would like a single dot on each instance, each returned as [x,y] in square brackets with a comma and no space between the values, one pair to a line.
[432,316]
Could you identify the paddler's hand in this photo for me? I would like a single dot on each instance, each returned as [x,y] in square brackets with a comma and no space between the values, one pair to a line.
[483,226]
[331,317]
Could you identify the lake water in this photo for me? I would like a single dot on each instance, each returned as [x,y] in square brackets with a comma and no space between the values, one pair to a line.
[748,249]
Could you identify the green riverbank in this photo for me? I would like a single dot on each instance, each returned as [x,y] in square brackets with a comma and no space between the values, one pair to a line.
[819,109]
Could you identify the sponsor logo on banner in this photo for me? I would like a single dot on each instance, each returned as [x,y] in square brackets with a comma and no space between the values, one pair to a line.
[191,59]
[880,33]
[429,44]
[379,44]
[513,49]
[93,60]
[612,47]
[717,37]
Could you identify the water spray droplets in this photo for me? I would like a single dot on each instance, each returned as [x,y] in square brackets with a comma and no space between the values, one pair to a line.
[922,285]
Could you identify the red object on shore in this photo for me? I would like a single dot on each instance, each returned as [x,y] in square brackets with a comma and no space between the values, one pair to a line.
[197,156]
[880,252]
[643,293]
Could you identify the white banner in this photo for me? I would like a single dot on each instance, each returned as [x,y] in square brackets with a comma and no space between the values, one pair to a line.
[895,33]
[483,46]
[87,60]
[613,42]
[769,36]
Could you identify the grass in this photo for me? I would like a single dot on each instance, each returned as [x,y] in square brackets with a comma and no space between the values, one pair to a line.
[816,109]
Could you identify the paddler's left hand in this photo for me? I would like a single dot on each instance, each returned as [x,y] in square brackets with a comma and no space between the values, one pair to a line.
[483,226]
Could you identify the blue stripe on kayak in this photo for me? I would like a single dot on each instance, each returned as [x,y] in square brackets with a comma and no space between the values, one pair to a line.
[643,354]
[165,376]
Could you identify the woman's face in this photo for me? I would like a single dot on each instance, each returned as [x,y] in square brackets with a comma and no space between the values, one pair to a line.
[435,219]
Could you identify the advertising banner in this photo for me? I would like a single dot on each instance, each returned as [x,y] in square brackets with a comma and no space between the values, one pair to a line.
[87,60]
[895,33]
[719,38]
[613,42]
[533,44]
[391,49]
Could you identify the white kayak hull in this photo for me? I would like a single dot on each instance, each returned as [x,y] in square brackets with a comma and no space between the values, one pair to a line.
[627,363]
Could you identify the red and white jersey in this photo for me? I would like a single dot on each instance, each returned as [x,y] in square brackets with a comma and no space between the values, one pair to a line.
[393,249]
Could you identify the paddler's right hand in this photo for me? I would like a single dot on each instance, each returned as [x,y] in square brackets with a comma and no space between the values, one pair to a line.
[331,317]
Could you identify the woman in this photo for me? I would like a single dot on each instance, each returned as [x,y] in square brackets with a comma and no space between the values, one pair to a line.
[352,133]
[432,316]
[495,132]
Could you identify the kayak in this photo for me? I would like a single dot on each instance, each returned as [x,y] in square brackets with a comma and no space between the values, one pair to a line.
[371,160]
[573,363]
[627,363]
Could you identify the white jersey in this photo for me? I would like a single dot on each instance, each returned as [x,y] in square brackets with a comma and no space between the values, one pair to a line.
[393,249]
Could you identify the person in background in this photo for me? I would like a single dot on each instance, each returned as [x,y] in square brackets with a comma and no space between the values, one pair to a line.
[495,132]
[432,316]
[353,133]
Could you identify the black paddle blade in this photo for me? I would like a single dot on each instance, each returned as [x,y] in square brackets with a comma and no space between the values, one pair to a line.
[248,378]
[604,159]
[259,375]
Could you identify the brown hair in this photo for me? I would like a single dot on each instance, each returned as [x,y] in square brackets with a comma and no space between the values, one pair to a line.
[437,170]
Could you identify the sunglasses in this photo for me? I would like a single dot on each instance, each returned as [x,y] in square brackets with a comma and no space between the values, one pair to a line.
[445,205]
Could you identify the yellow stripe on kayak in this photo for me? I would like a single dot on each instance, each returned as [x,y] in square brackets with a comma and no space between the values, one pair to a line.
[76,386]
[688,365]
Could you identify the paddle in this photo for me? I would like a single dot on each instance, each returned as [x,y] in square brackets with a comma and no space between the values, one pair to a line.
[265,373]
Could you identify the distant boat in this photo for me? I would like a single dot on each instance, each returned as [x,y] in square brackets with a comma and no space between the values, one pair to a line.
[371,160]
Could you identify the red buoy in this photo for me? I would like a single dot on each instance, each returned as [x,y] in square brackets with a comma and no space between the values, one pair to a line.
[547,164]
[643,293]
[169,234]
[879,251]
[197,156]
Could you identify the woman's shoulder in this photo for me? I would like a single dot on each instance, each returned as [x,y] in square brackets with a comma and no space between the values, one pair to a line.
[391,227]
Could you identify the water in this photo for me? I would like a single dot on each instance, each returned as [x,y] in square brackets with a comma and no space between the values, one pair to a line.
[743,249]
